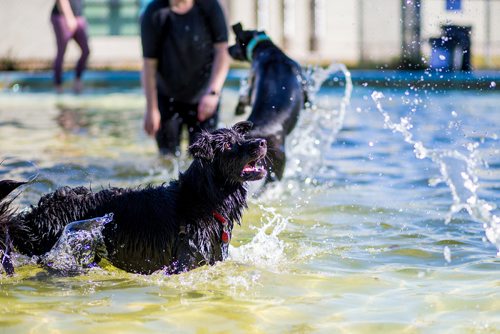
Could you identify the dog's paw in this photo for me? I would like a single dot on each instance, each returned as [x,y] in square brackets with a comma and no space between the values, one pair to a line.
[241,109]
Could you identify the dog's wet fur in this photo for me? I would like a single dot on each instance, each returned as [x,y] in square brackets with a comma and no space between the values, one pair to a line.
[174,227]
[276,94]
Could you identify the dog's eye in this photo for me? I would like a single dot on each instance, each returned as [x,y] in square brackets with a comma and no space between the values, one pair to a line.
[228,146]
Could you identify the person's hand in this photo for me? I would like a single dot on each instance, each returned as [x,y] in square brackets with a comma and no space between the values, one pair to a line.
[72,24]
[152,122]
[207,106]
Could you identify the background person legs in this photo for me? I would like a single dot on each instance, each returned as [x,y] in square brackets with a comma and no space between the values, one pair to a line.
[174,115]
[63,35]
[81,39]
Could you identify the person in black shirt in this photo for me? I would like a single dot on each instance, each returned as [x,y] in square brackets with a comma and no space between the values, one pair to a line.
[185,64]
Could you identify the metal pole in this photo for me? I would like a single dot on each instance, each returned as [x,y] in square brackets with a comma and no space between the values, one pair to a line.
[410,49]
[488,33]
[288,23]
[361,32]
[313,36]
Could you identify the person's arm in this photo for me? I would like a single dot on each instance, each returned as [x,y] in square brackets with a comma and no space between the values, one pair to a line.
[208,103]
[148,79]
[65,8]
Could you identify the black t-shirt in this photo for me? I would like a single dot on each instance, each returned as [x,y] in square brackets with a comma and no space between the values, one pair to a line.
[76,6]
[183,46]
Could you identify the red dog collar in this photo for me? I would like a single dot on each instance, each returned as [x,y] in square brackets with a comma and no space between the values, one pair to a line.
[226,236]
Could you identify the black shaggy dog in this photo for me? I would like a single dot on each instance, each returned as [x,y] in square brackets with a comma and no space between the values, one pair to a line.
[174,227]
[276,93]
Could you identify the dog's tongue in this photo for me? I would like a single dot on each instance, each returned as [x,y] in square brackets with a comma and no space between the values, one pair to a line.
[248,168]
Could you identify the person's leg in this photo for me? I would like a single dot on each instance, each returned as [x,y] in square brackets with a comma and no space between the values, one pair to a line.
[63,35]
[81,39]
[168,136]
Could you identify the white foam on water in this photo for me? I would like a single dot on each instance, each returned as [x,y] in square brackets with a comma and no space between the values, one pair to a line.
[458,171]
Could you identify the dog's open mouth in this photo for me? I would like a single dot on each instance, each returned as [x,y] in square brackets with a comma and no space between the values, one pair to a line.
[253,170]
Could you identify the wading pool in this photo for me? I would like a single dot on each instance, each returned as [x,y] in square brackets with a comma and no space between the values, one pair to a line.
[385,221]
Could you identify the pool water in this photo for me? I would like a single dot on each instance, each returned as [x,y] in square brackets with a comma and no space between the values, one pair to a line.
[380,224]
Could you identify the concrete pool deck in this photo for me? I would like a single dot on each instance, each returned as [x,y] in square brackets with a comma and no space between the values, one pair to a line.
[481,79]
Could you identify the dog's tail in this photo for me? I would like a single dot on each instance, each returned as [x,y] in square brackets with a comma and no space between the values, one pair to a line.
[7,186]
[6,214]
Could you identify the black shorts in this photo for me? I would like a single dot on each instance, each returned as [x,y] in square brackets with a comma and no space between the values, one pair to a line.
[174,115]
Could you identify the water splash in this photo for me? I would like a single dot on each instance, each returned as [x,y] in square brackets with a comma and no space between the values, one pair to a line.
[265,249]
[458,171]
[317,129]
[319,123]
[316,76]
[77,246]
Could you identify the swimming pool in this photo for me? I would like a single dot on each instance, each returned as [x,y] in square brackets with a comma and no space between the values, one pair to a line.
[354,239]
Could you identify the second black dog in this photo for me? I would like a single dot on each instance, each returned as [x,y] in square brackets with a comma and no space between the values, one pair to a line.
[276,93]
[175,227]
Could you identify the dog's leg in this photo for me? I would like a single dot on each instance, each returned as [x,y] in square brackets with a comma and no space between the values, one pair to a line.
[185,259]
[276,156]
[245,95]
[278,159]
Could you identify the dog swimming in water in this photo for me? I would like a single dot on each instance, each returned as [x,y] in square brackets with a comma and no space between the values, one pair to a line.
[173,227]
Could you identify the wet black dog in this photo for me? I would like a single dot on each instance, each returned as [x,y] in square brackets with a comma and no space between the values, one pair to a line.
[174,227]
[276,93]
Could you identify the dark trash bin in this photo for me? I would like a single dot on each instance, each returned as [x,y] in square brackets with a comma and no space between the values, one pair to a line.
[452,51]
[441,56]
[461,41]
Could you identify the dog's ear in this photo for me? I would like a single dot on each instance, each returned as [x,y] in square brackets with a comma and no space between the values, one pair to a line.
[237,28]
[243,127]
[202,147]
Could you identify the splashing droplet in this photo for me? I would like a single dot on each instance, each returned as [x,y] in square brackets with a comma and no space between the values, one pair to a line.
[447,254]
